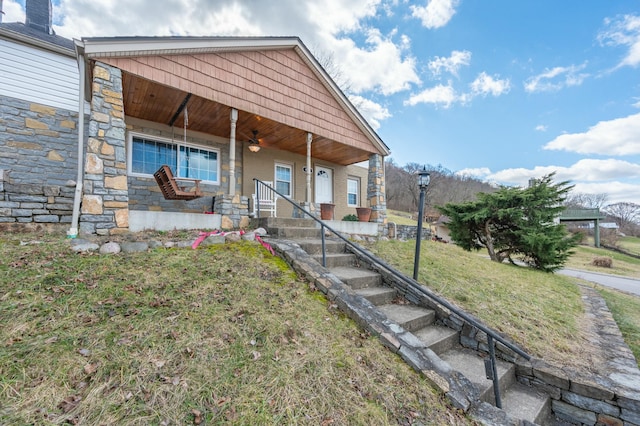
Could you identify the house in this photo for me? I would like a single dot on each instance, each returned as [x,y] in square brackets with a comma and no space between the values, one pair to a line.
[204,105]
[39,107]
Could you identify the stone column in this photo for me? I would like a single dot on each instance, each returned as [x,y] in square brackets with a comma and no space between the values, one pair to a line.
[105,200]
[232,152]
[376,191]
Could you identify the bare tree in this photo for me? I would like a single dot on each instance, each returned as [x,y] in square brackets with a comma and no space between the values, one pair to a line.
[587,201]
[626,215]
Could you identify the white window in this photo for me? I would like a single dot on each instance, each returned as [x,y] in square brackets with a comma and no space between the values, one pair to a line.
[284,179]
[148,153]
[353,191]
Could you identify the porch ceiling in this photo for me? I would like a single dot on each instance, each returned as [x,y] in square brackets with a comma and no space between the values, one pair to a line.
[155,102]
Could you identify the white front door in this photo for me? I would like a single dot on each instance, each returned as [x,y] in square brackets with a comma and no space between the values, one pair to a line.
[324,185]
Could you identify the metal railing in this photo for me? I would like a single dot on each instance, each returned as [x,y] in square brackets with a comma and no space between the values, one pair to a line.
[418,289]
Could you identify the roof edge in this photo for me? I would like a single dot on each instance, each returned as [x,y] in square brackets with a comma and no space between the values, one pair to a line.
[36,42]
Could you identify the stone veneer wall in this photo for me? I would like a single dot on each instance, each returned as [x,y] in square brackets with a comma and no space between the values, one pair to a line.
[376,196]
[105,200]
[38,162]
[610,396]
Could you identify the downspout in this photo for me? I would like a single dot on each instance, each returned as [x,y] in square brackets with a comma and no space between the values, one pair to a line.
[232,153]
[309,139]
[73,231]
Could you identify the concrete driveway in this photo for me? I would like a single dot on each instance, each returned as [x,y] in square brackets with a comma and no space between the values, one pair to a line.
[630,285]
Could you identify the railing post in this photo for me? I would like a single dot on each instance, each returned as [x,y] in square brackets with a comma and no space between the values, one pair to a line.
[494,367]
[324,252]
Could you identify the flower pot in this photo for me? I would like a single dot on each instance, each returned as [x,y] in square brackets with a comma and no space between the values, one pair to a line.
[364,213]
[326,211]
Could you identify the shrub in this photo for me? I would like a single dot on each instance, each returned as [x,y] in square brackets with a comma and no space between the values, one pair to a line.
[350,218]
[602,261]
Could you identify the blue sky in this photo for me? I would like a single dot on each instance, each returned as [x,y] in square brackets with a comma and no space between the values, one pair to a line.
[502,90]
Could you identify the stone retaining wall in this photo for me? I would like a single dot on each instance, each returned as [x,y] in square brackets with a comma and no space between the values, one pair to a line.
[38,162]
[609,396]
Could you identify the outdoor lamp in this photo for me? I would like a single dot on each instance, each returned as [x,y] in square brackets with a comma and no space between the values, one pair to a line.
[423,182]
[423,178]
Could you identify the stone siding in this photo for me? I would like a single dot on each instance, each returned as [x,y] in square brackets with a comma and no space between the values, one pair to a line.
[105,201]
[376,192]
[610,395]
[38,162]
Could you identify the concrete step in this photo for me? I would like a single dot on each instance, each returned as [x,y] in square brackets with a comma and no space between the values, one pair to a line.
[524,402]
[335,260]
[314,246]
[357,278]
[409,317]
[284,222]
[294,233]
[377,295]
[438,338]
[471,365]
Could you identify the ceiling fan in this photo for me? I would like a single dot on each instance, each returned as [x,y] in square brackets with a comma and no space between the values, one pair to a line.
[254,143]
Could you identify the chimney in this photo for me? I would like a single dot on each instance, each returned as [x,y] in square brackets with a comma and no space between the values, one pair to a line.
[39,15]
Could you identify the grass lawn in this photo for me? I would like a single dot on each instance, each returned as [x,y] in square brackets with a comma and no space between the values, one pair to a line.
[622,265]
[224,335]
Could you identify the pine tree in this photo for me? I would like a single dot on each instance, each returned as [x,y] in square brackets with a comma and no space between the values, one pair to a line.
[516,223]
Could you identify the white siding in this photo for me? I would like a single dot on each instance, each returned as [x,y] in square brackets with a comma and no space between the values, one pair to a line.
[39,76]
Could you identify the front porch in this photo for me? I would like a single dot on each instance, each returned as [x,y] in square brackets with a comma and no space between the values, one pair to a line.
[219,110]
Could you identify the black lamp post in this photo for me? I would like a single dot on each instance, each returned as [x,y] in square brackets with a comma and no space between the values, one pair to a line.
[423,182]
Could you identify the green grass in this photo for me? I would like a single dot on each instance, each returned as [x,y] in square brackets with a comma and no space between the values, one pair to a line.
[625,309]
[224,335]
[540,311]
[622,264]
[630,244]
[401,218]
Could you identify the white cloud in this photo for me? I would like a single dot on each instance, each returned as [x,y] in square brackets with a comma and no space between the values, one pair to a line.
[556,78]
[452,63]
[620,136]
[479,173]
[371,111]
[440,95]
[623,31]
[13,11]
[586,170]
[436,14]
[382,66]
[484,85]
[541,128]
[617,192]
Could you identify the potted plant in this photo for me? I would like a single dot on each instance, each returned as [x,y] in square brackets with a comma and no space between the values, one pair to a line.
[326,211]
[364,213]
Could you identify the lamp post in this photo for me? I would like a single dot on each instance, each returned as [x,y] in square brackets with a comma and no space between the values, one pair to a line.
[423,182]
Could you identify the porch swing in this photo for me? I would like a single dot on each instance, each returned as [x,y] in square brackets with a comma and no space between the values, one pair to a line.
[177,188]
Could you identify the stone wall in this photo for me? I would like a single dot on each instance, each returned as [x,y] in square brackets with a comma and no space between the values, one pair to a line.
[608,395]
[105,200]
[376,195]
[38,162]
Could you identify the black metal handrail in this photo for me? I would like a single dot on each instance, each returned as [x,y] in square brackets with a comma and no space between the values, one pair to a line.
[418,288]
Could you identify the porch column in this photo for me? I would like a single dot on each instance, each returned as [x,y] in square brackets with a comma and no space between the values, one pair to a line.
[309,172]
[232,152]
[376,189]
[105,200]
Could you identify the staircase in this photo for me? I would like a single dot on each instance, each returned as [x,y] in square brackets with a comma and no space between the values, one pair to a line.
[521,404]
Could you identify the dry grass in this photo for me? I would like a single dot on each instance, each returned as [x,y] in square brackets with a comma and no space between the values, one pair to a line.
[621,264]
[539,311]
[225,335]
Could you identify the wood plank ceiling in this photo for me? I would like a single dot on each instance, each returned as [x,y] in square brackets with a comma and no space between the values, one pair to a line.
[155,102]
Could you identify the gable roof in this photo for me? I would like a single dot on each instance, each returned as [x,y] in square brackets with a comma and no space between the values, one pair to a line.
[120,51]
[20,32]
